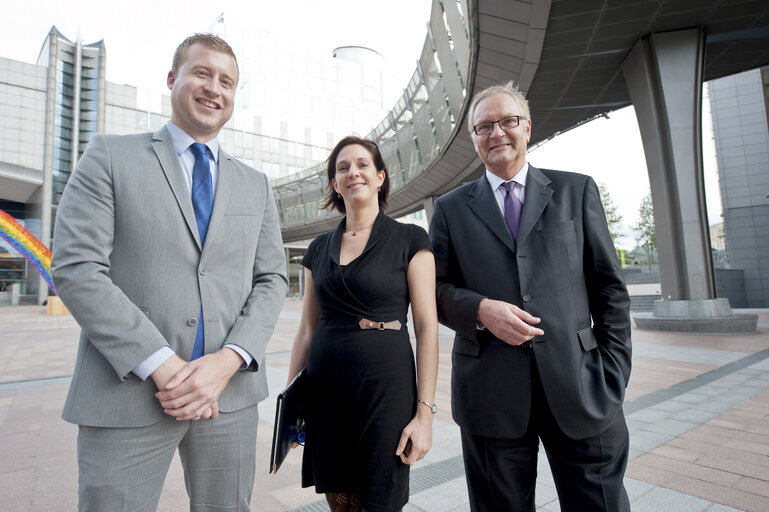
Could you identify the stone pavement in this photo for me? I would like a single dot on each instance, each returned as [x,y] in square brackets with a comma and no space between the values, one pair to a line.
[697,409]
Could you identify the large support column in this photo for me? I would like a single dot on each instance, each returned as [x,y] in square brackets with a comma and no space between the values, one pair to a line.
[428,203]
[664,76]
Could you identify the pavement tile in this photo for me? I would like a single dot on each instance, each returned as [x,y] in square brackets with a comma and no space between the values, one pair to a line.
[733,440]
[748,447]
[687,444]
[544,494]
[671,427]
[442,497]
[758,486]
[714,432]
[20,440]
[694,415]
[677,467]
[737,467]
[16,459]
[672,452]
[294,496]
[636,488]
[646,441]
[723,494]
[757,411]
[661,499]
[651,415]
[16,489]
[649,474]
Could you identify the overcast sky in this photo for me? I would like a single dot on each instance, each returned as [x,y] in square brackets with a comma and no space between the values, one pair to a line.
[140,37]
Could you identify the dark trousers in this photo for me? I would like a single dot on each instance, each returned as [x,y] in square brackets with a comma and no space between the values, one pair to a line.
[588,473]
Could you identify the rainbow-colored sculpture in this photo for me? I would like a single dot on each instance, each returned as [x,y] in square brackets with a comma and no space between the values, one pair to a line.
[28,246]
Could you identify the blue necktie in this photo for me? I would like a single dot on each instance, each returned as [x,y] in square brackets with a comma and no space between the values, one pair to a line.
[202,204]
[513,208]
[202,190]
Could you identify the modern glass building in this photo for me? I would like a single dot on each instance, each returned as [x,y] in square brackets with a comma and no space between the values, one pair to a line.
[740,107]
[50,109]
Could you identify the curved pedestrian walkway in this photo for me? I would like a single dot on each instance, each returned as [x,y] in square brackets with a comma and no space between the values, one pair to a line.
[697,408]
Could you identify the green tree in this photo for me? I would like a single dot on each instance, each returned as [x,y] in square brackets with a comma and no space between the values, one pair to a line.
[646,234]
[613,217]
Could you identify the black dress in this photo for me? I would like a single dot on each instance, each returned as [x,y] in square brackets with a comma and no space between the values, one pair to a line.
[362,382]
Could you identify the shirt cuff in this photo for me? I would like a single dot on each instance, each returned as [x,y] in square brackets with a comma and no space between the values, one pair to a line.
[247,358]
[153,362]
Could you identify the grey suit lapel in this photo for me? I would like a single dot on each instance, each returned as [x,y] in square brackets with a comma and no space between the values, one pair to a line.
[481,201]
[225,187]
[172,168]
[538,192]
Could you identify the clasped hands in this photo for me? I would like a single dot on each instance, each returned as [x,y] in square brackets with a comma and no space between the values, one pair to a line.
[507,322]
[190,390]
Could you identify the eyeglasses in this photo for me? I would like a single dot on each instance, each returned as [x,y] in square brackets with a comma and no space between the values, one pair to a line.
[507,123]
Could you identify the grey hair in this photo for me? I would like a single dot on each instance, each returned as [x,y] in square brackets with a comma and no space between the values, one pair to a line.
[510,88]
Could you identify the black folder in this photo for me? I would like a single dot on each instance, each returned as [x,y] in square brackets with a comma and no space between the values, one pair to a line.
[289,421]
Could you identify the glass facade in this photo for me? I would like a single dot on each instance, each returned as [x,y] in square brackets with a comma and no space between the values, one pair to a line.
[284,128]
[14,269]
[48,112]
[63,122]
[415,130]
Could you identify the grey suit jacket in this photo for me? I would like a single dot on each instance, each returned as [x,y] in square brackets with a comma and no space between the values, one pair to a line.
[128,264]
[563,269]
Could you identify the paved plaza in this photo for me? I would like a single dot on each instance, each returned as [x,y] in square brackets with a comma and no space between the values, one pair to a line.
[697,408]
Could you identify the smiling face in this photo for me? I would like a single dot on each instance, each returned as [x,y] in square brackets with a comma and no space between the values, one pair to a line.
[503,151]
[357,178]
[203,92]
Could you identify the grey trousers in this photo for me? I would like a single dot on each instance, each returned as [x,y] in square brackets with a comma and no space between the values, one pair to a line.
[123,469]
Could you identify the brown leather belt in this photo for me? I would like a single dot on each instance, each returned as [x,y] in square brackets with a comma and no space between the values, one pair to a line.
[394,325]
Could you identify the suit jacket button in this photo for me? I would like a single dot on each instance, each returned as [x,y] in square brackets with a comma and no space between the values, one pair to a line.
[203,271]
[526,297]
[192,322]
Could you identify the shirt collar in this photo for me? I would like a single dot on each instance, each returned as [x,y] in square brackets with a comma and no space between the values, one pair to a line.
[182,141]
[520,177]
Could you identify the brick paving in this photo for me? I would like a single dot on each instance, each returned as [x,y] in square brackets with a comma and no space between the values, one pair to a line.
[697,408]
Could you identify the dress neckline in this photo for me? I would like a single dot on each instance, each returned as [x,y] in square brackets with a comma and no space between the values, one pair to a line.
[373,238]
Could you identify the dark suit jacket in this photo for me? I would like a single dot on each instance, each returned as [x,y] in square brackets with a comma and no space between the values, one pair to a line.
[563,270]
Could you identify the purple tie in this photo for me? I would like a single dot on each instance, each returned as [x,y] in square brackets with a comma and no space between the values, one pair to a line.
[512,209]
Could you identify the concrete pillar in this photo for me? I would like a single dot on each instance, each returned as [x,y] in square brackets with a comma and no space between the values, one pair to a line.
[427,203]
[663,73]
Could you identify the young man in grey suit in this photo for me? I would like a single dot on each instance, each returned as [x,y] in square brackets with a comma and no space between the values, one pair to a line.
[529,280]
[168,253]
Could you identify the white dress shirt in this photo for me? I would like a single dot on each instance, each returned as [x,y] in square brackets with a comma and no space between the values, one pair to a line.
[182,143]
[499,191]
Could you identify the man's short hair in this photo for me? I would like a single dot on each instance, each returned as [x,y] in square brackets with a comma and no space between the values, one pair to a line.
[510,88]
[209,40]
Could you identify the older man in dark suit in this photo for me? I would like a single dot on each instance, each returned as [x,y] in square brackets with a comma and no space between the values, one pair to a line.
[528,278]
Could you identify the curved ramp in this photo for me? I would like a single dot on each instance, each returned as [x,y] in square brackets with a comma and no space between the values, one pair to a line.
[566,55]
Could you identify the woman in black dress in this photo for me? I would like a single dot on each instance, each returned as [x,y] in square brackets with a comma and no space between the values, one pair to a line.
[370,411]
